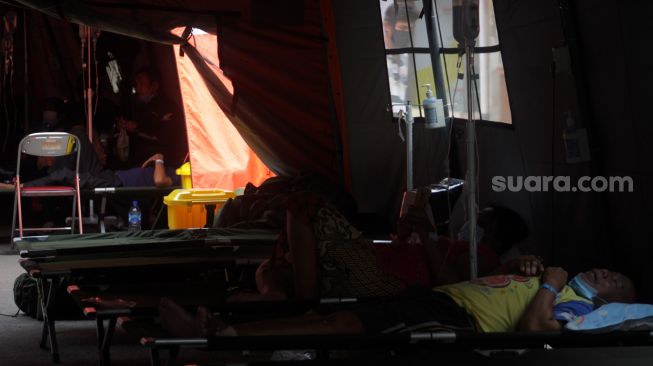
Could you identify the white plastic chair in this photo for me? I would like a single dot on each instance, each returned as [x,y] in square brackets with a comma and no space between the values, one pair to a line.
[47,144]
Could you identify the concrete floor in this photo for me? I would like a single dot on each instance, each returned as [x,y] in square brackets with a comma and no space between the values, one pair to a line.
[20,335]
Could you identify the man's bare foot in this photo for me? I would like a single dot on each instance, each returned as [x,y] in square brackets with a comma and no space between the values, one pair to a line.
[176,320]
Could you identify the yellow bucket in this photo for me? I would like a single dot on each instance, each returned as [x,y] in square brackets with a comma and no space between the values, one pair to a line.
[185,173]
[187,207]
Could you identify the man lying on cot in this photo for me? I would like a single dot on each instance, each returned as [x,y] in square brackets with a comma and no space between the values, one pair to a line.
[322,255]
[157,175]
[498,303]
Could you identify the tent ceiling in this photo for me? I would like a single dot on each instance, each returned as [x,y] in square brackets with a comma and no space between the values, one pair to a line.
[152,20]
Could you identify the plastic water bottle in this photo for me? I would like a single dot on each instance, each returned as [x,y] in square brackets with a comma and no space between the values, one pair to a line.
[134,218]
[430,113]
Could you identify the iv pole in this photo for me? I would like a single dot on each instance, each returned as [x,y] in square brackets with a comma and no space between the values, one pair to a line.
[466,29]
[471,160]
[409,146]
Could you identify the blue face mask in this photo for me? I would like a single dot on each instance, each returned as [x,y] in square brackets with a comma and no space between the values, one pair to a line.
[582,288]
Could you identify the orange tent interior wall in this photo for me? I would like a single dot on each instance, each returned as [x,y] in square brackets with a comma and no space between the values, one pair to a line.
[219,156]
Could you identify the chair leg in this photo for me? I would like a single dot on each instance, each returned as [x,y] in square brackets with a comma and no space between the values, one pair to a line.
[13,221]
[19,200]
[72,218]
[79,203]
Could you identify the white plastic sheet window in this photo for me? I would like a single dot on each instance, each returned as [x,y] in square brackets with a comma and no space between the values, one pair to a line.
[409,63]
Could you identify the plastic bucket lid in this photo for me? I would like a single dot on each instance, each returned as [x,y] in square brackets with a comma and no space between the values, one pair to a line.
[188,197]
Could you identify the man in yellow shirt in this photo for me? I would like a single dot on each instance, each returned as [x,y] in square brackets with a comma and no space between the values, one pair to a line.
[490,304]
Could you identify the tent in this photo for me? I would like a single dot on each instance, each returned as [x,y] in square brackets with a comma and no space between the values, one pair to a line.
[310,93]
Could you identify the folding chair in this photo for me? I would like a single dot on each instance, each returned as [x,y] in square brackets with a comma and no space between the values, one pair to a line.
[47,144]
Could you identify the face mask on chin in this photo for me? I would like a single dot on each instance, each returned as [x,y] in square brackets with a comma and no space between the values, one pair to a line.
[584,289]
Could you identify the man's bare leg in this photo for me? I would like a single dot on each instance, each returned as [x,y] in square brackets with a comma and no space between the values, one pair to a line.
[180,323]
[303,250]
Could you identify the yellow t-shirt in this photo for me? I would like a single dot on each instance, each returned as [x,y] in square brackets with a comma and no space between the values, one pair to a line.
[497,302]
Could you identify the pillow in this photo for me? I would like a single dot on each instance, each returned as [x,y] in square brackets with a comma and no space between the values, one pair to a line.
[614,316]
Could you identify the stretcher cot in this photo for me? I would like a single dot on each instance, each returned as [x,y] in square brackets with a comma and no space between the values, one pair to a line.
[448,347]
[148,240]
[122,303]
[145,255]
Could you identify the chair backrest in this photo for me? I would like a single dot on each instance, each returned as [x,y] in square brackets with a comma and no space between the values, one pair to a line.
[49,144]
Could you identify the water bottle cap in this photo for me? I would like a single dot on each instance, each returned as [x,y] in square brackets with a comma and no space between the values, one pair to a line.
[135,203]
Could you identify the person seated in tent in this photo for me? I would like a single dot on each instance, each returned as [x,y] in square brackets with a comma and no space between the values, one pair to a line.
[321,255]
[154,126]
[499,303]
[60,116]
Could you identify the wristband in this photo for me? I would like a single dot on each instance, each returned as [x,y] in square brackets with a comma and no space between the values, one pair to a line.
[550,288]
[158,161]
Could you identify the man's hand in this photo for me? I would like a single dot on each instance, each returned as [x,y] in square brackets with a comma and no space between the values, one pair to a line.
[152,159]
[527,265]
[556,277]
[538,315]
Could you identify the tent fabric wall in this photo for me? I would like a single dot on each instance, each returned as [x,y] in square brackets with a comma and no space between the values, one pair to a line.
[282,94]
[615,64]
[55,74]
[219,156]
[584,230]
[568,229]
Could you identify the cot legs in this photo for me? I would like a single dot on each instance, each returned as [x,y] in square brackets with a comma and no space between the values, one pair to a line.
[46,300]
[155,357]
[104,337]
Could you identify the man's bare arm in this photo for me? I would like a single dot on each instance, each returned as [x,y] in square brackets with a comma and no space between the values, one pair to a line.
[161,178]
[538,316]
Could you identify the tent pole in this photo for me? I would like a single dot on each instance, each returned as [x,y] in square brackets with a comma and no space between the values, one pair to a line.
[470,181]
[26,78]
[89,90]
[409,146]
[434,47]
